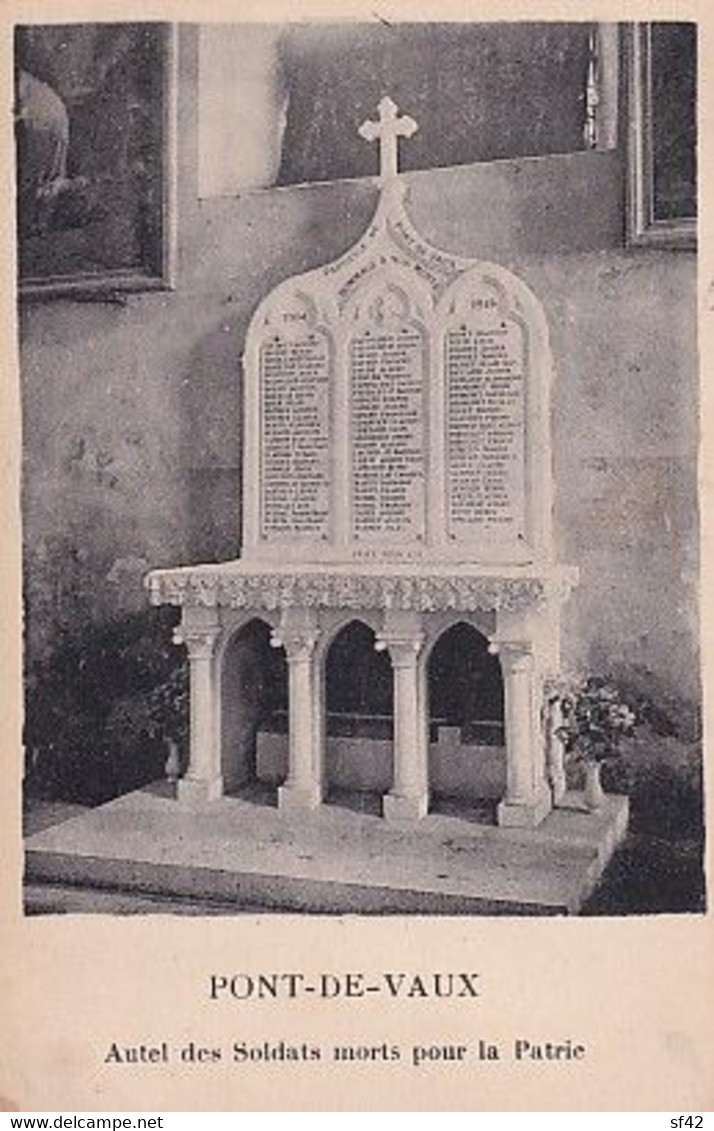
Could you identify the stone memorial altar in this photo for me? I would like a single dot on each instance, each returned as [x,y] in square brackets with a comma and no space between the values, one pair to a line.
[397,472]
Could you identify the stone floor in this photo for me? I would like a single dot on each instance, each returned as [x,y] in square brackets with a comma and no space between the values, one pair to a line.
[144,853]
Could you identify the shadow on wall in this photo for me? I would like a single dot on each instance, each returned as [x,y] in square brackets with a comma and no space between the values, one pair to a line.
[669,715]
[660,866]
[99,708]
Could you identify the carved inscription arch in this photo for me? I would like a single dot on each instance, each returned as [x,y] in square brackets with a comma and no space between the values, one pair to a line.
[397,409]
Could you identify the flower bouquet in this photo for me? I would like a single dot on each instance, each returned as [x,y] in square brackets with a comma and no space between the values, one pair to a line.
[594,720]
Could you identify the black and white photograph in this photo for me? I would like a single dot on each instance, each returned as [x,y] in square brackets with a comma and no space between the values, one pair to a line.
[360,567]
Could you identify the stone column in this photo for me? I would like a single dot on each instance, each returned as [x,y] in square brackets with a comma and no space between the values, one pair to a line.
[526,802]
[203,780]
[409,796]
[298,634]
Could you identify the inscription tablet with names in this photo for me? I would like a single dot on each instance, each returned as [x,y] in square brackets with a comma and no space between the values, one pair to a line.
[484,368]
[387,380]
[295,437]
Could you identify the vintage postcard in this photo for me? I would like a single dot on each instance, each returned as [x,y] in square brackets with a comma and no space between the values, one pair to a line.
[355,504]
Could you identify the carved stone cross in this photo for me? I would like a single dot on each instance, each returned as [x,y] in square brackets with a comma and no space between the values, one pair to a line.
[388,130]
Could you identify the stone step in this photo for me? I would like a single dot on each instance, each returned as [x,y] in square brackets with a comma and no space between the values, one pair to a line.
[331,860]
[66,899]
[106,885]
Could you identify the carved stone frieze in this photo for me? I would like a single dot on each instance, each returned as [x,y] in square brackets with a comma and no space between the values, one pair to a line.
[335,590]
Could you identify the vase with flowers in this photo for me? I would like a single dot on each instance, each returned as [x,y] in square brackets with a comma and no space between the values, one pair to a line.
[595,718]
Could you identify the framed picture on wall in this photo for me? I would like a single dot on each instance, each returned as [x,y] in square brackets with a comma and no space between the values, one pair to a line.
[662,122]
[95,137]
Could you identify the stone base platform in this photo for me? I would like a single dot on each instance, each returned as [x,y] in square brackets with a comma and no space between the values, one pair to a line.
[238,852]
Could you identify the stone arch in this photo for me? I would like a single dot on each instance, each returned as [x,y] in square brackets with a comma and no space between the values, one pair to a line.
[465,708]
[358,699]
[483,622]
[254,691]
[333,621]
